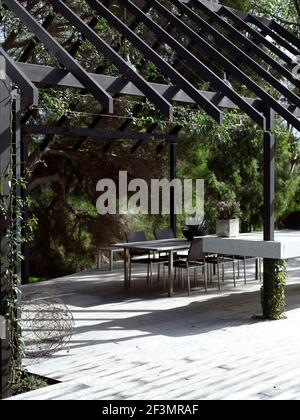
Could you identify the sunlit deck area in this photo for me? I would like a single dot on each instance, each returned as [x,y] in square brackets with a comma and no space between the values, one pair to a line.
[140,344]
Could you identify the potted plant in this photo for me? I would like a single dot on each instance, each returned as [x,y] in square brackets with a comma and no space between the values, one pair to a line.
[194,226]
[228,223]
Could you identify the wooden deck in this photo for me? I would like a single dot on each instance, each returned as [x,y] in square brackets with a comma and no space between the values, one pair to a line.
[142,345]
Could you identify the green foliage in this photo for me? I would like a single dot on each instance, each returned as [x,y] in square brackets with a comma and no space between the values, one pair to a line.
[228,210]
[273,291]
[12,210]
[28,382]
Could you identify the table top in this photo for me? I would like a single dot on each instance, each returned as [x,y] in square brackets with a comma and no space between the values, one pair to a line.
[286,245]
[163,245]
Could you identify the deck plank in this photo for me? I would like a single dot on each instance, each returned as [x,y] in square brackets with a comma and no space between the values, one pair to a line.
[140,344]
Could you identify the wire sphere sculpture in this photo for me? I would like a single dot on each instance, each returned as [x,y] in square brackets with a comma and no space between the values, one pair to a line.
[47,325]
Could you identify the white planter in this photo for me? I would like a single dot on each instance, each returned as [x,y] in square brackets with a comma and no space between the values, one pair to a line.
[228,228]
[2,328]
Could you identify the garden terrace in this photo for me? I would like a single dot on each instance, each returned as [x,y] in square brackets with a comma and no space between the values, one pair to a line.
[162,55]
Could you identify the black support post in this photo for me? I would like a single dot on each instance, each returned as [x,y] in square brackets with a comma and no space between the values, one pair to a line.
[5,144]
[273,291]
[173,175]
[269,177]
[25,270]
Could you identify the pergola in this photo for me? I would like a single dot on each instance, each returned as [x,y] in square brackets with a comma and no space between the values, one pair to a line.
[210,37]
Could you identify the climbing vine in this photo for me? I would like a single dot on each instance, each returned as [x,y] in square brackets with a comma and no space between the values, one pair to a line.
[12,209]
[273,291]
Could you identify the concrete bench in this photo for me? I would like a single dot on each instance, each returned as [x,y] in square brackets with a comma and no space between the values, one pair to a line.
[111,250]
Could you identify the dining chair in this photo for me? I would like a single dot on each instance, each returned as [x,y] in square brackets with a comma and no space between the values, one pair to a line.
[194,260]
[219,261]
[140,257]
[244,259]
[160,234]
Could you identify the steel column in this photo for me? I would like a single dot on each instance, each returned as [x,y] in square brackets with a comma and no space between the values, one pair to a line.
[269,177]
[173,175]
[5,143]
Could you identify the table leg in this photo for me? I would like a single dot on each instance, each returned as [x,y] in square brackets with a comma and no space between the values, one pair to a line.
[256,268]
[126,269]
[99,259]
[111,262]
[171,272]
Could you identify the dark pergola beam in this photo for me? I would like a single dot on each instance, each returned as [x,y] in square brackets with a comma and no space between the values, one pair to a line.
[61,54]
[50,76]
[267,99]
[93,132]
[205,71]
[245,58]
[165,68]
[216,7]
[284,33]
[26,54]
[29,90]
[109,53]
[257,36]
[268,31]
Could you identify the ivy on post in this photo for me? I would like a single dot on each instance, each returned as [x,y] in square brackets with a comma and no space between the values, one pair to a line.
[273,291]
[5,141]
[11,239]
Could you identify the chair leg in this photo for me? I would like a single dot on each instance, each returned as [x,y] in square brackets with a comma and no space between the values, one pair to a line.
[164,277]
[130,270]
[256,269]
[205,277]
[234,278]
[260,269]
[223,273]
[239,269]
[245,270]
[158,273]
[111,261]
[188,282]
[218,268]
[148,273]
[151,274]
[195,277]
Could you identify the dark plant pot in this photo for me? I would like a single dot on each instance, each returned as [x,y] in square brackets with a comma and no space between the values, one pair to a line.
[190,232]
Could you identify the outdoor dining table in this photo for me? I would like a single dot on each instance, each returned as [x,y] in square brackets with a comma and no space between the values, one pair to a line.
[286,245]
[166,246]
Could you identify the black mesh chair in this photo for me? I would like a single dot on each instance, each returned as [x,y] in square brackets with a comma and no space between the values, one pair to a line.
[258,270]
[161,234]
[139,256]
[217,262]
[194,260]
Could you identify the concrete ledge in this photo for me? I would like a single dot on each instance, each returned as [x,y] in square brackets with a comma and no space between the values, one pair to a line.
[285,246]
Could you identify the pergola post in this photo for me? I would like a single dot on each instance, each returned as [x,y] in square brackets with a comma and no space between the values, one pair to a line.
[173,175]
[25,248]
[5,142]
[9,159]
[269,176]
[273,291]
